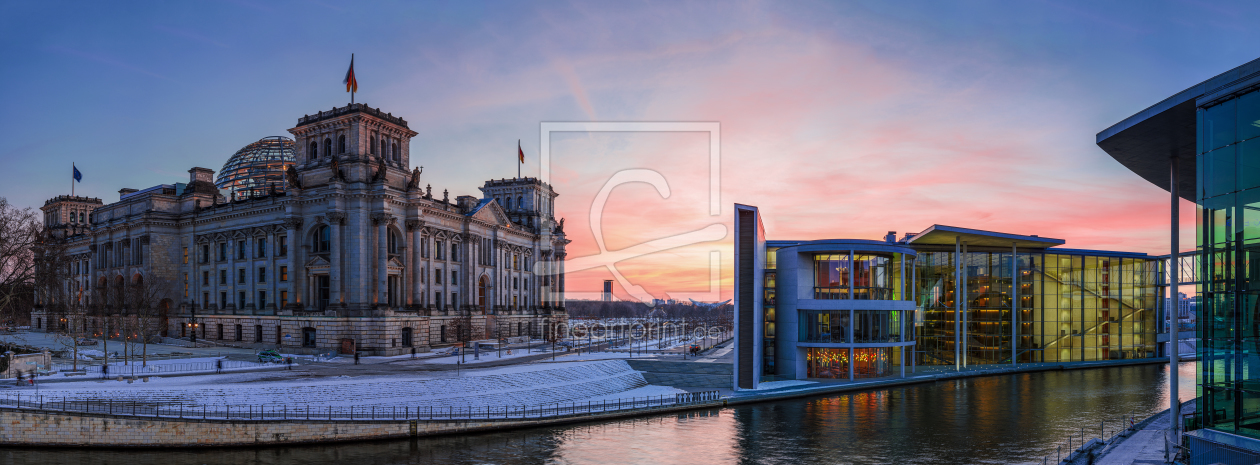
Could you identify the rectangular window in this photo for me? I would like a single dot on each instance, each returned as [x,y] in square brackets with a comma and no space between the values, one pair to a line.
[185,285]
[455,299]
[437,299]
[262,247]
[262,274]
[223,251]
[240,250]
[258,333]
[284,246]
[205,300]
[284,273]
[240,299]
[205,253]
[514,282]
[278,335]
[437,277]
[262,299]
[205,278]
[284,298]
[240,276]
[239,333]
[185,255]
[223,277]
[223,299]
[454,277]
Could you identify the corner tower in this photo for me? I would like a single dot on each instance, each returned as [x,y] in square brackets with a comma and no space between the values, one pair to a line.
[359,138]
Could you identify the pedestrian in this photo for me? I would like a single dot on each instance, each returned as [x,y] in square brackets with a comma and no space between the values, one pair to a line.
[413,352]
[356,358]
[104,371]
[19,377]
[218,366]
[289,361]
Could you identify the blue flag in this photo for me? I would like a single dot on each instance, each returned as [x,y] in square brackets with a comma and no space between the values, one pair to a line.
[77,175]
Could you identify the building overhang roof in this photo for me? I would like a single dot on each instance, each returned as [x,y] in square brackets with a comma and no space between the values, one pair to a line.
[1145,142]
[947,235]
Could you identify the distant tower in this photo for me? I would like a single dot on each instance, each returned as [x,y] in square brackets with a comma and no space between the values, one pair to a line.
[607,290]
[66,215]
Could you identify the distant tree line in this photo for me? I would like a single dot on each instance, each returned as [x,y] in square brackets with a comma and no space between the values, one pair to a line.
[632,310]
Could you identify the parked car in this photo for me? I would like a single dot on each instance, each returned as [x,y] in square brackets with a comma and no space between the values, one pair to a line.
[83,341]
[270,356]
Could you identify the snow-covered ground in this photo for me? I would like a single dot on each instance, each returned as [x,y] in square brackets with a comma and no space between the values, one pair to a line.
[517,385]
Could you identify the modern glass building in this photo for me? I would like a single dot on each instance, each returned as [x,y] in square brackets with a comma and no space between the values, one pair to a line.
[847,309]
[1203,144]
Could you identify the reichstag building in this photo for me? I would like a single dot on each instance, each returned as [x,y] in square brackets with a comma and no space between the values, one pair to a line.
[326,241]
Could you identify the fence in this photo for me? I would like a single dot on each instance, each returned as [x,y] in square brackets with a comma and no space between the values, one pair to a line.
[161,368]
[400,412]
[1118,428]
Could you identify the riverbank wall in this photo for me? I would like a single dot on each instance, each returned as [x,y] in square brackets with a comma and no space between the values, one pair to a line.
[50,428]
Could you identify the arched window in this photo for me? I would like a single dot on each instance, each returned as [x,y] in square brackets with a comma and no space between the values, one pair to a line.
[372,145]
[481,292]
[393,242]
[520,203]
[323,239]
[341,144]
[509,203]
[327,147]
[312,150]
[397,156]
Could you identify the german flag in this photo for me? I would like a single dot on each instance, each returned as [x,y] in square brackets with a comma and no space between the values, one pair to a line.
[520,153]
[351,84]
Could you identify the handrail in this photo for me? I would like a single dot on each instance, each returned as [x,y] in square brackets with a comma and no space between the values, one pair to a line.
[273,412]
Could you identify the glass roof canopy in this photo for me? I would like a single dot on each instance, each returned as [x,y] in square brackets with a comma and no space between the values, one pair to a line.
[258,167]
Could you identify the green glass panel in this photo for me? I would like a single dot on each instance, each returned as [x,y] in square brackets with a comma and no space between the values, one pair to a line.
[1220,172]
[1220,125]
[1249,164]
[1249,116]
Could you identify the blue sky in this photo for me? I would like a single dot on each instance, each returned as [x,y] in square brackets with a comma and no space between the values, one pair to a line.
[839,119]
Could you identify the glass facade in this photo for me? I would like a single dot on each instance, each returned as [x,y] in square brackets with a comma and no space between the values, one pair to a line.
[1228,239]
[768,305]
[1071,307]
[873,277]
[830,363]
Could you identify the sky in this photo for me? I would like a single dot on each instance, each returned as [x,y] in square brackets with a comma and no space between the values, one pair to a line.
[837,119]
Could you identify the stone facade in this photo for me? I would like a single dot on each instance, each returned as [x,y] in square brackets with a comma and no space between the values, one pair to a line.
[352,254]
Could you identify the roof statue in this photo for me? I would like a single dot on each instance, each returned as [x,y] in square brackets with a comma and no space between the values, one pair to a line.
[415,178]
[291,176]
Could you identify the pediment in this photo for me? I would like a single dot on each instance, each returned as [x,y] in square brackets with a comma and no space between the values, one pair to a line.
[317,262]
[394,262]
[493,213]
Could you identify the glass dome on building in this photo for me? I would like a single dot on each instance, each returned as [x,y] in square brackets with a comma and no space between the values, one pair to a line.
[256,168]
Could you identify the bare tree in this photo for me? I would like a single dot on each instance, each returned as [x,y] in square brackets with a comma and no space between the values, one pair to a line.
[57,292]
[20,233]
[147,299]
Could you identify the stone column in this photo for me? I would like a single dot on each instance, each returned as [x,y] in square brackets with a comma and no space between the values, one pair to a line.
[298,276]
[382,257]
[334,257]
[414,267]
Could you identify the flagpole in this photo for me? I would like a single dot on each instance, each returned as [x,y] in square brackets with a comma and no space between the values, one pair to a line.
[72,168]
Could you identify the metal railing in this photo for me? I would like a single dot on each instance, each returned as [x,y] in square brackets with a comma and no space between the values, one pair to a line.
[136,369]
[271,412]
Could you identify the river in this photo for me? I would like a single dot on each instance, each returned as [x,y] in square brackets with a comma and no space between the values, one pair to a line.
[987,420]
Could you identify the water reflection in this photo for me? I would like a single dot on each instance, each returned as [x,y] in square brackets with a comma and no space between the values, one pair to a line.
[1007,419]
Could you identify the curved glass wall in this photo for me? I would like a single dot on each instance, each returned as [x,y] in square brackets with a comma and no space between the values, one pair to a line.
[258,168]
[873,277]
[1228,325]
